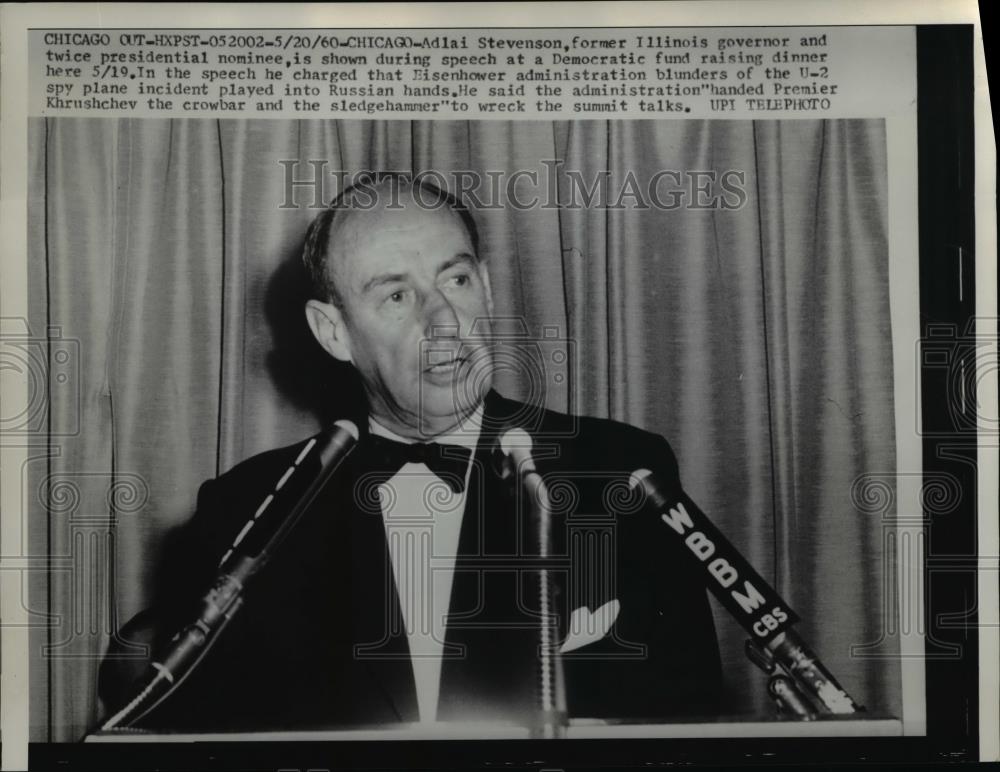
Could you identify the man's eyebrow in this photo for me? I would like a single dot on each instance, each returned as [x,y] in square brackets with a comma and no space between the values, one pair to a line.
[389,278]
[382,278]
[459,259]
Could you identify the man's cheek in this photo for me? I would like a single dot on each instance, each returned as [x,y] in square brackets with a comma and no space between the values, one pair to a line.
[474,313]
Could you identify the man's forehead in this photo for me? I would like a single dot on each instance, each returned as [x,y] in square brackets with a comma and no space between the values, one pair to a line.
[363,236]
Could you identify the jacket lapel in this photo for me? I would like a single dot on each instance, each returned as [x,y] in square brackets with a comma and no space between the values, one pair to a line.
[380,645]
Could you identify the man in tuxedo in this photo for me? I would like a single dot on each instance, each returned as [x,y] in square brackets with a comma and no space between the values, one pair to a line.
[407,592]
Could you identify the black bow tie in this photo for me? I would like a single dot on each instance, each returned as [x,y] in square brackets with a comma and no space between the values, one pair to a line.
[449,462]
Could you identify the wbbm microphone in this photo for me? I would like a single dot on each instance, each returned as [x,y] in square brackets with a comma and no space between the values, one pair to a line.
[238,566]
[743,592]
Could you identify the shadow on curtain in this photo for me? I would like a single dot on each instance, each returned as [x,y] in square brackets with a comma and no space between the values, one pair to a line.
[755,339]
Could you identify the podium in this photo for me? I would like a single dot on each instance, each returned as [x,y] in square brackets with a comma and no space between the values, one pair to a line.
[578,729]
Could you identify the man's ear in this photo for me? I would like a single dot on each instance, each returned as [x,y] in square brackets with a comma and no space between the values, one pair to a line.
[327,324]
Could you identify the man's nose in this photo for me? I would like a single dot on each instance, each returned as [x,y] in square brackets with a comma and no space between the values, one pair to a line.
[441,318]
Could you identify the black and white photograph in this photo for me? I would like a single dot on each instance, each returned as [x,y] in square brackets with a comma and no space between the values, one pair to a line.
[707,301]
[387,429]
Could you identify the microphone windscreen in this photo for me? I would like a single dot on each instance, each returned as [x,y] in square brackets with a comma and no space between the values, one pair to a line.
[638,477]
[649,486]
[516,445]
[341,439]
[514,440]
[348,426]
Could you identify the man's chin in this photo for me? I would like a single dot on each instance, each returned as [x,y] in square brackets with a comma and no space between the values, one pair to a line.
[443,408]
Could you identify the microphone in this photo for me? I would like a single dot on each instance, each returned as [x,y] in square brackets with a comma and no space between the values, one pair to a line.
[237,567]
[331,447]
[516,463]
[512,453]
[743,592]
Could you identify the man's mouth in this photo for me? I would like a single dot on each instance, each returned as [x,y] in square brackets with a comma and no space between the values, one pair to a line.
[444,363]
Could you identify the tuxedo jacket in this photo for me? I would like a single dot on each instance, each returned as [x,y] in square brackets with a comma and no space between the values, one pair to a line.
[320,642]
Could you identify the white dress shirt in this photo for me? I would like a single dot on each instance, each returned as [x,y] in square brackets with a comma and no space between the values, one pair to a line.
[423,519]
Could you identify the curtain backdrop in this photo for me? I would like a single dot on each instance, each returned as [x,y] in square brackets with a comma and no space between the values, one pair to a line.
[163,261]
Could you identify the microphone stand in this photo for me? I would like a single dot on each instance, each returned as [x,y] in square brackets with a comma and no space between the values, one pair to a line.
[799,684]
[552,716]
[552,688]
[224,600]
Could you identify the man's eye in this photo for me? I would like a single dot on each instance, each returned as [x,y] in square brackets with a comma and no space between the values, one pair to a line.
[396,298]
[459,280]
